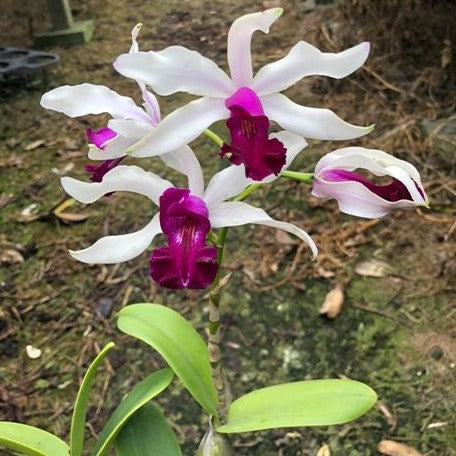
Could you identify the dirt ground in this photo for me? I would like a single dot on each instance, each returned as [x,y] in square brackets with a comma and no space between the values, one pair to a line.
[397,329]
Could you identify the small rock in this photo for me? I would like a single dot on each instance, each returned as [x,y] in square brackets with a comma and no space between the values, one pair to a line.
[437,352]
[372,268]
[32,352]
[105,306]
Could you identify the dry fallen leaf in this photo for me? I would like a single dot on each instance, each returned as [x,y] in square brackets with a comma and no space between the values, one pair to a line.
[35,144]
[390,419]
[30,214]
[324,451]
[392,448]
[6,198]
[68,217]
[333,302]
[11,256]
[372,268]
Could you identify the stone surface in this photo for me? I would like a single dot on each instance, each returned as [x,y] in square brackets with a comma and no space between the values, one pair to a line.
[78,33]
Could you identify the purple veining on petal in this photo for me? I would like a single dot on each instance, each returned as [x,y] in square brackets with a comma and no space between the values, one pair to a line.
[101,136]
[186,262]
[98,171]
[250,144]
[395,191]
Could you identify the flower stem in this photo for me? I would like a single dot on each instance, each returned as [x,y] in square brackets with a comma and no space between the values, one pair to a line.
[218,376]
[301,177]
[213,344]
[248,191]
[214,137]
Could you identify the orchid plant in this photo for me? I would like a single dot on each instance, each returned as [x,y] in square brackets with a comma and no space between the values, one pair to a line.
[194,220]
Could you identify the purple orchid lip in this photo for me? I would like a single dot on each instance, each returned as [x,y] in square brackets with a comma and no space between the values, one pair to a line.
[100,137]
[97,172]
[186,261]
[394,191]
[250,144]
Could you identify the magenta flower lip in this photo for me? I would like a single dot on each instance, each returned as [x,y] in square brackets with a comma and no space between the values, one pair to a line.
[250,144]
[394,191]
[186,261]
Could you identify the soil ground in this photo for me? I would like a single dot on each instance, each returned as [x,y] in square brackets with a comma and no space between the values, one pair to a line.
[396,331]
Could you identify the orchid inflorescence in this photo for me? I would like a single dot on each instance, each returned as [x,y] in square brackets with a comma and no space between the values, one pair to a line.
[188,214]
[248,104]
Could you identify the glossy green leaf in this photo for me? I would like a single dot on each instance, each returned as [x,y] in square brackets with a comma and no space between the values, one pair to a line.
[305,403]
[30,440]
[179,344]
[147,433]
[142,393]
[78,419]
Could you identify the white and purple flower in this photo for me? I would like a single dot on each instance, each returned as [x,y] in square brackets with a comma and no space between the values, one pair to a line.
[249,103]
[335,178]
[128,125]
[185,217]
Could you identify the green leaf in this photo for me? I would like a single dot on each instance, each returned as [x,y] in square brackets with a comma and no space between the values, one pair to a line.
[179,344]
[147,433]
[30,440]
[80,407]
[305,403]
[142,393]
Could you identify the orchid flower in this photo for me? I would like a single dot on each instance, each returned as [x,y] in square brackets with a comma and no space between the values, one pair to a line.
[360,196]
[185,217]
[249,103]
[129,122]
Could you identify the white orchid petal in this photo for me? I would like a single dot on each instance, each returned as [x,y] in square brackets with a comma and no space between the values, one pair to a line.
[347,157]
[184,161]
[115,148]
[83,99]
[403,177]
[237,213]
[354,198]
[134,35]
[130,128]
[225,184]
[181,127]
[176,69]
[239,38]
[150,104]
[312,123]
[304,60]
[122,178]
[120,248]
